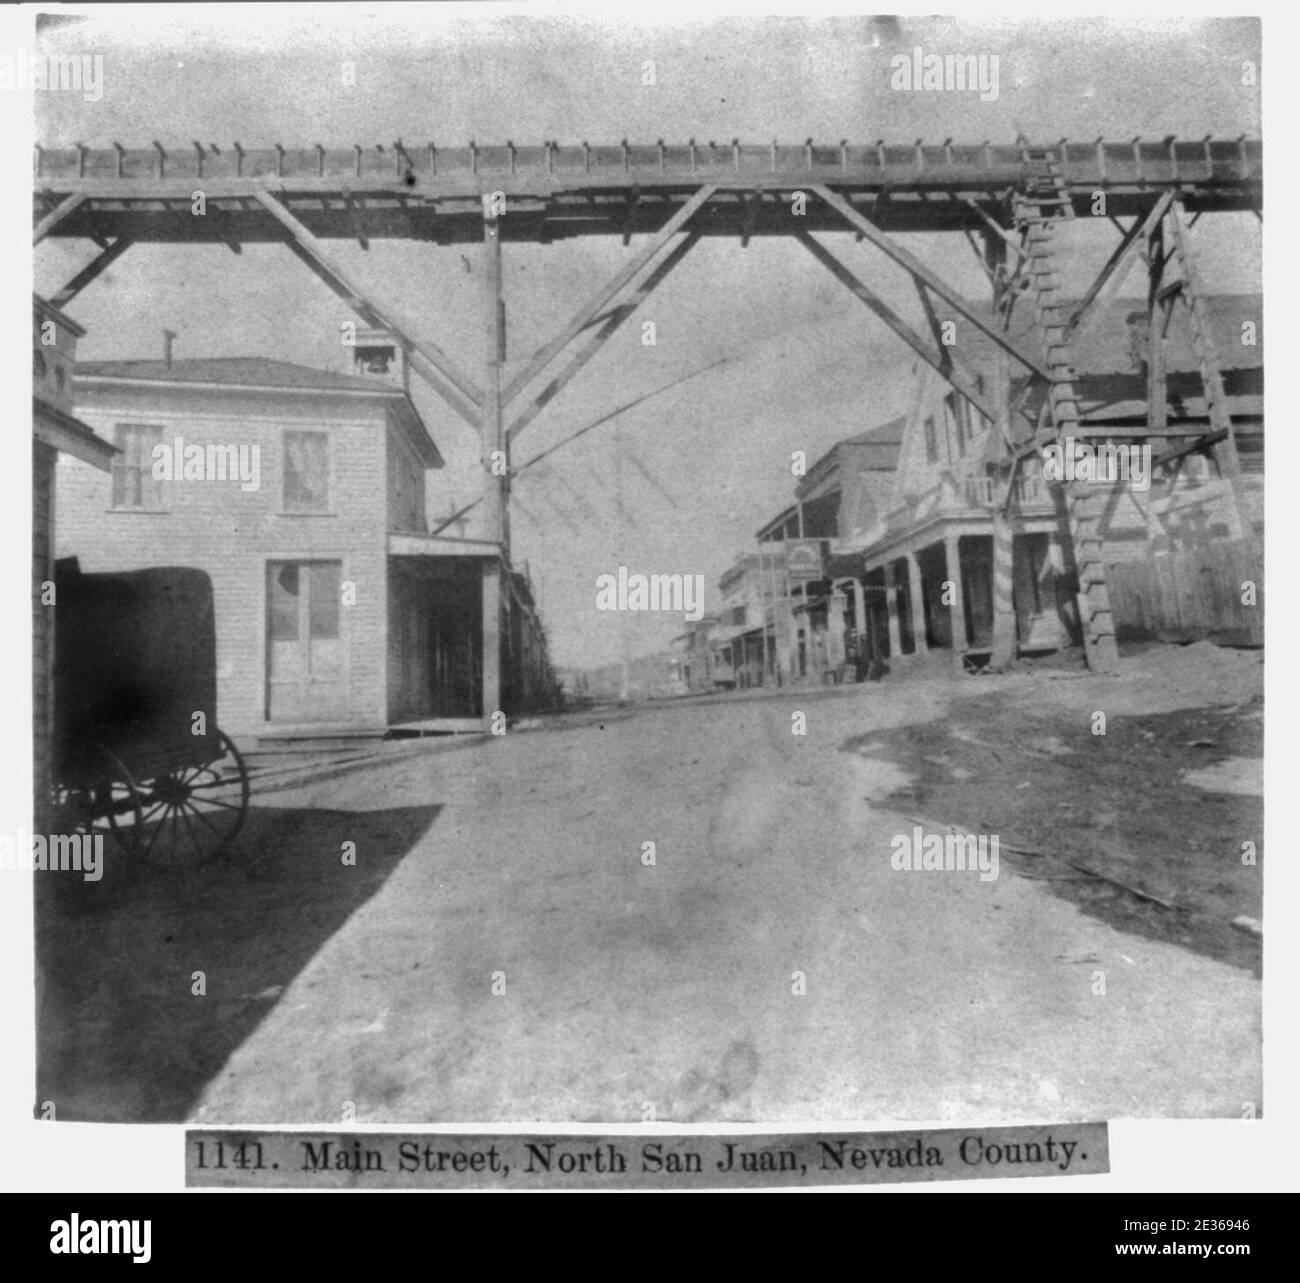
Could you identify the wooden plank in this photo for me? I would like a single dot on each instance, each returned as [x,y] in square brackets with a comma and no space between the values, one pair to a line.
[913,265]
[384,318]
[380,320]
[91,271]
[1121,261]
[496,484]
[598,340]
[583,318]
[896,323]
[56,216]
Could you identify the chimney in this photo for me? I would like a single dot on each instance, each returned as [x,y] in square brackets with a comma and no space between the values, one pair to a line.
[168,337]
[378,354]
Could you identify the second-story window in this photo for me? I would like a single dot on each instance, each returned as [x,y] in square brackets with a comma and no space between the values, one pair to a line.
[931,441]
[306,472]
[134,485]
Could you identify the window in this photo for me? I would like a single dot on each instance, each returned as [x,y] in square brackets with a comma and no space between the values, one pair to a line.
[324,581]
[306,472]
[284,609]
[134,485]
[320,582]
[962,420]
[931,440]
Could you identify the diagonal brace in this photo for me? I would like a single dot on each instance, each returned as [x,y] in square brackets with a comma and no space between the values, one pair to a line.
[321,261]
[916,268]
[549,351]
[380,320]
[55,217]
[602,335]
[1117,267]
[896,323]
[100,263]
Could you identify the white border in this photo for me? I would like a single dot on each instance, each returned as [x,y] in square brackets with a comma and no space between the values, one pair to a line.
[1163,1156]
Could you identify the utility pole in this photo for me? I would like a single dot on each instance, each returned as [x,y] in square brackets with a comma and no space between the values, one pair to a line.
[495,457]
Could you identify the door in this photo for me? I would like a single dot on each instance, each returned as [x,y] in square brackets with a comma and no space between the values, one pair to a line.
[307,677]
[1038,626]
[975,553]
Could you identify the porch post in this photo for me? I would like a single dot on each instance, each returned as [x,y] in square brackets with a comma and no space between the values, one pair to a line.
[835,629]
[891,606]
[922,642]
[957,611]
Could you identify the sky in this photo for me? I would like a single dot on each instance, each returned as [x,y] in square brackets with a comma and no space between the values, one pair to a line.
[680,483]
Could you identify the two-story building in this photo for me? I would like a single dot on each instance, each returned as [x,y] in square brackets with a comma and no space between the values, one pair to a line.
[301,493]
[824,614]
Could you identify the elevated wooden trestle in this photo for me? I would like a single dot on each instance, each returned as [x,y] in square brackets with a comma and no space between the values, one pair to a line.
[1007,196]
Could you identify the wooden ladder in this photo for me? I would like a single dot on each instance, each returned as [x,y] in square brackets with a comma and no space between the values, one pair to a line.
[1044,202]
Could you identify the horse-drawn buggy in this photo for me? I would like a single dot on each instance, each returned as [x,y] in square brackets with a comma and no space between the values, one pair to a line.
[137,751]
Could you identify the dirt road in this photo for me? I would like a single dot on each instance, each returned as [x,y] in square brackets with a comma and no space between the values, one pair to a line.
[503,950]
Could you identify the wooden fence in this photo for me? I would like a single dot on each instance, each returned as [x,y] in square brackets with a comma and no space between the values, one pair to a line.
[1190,595]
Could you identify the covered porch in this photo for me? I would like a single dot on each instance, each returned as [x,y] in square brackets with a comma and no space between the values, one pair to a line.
[443,636]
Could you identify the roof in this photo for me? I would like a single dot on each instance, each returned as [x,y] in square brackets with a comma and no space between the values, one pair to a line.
[885,435]
[65,432]
[237,372]
[730,632]
[875,450]
[258,374]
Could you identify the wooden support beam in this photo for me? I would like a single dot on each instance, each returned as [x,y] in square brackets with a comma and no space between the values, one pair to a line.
[629,214]
[1201,443]
[548,352]
[593,345]
[994,226]
[100,263]
[381,320]
[495,445]
[753,206]
[55,217]
[1113,274]
[1157,323]
[932,318]
[896,323]
[322,262]
[357,214]
[913,265]
[980,256]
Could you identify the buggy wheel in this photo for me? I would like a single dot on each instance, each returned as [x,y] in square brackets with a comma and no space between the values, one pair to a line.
[108,807]
[192,814]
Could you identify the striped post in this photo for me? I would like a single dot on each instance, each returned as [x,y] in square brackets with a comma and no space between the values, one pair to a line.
[1004,614]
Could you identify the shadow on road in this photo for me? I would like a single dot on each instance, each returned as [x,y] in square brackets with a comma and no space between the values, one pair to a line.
[122,1034]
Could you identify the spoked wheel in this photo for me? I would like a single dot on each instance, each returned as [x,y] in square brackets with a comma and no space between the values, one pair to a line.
[193,813]
[107,807]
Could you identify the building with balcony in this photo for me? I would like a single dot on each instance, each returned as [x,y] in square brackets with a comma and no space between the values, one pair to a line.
[927,561]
